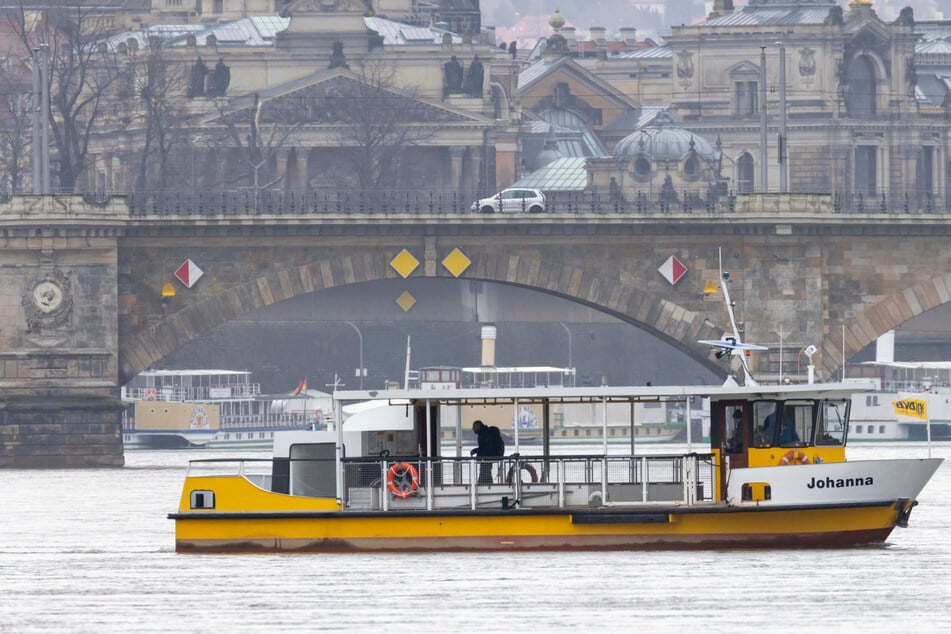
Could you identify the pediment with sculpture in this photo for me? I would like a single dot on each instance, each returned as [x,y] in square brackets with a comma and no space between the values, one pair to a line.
[300,7]
[332,101]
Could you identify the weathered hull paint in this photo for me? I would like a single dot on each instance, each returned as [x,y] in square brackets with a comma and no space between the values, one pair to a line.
[717,527]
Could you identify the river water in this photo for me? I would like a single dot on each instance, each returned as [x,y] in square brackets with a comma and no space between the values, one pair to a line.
[92,551]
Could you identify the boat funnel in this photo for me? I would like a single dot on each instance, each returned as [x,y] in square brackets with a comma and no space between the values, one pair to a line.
[885,348]
[488,346]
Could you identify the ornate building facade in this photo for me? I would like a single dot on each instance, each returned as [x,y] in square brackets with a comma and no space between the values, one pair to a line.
[327,97]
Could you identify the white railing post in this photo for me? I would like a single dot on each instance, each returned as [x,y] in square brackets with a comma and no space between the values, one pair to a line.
[560,465]
[643,478]
[472,483]
[429,481]
[384,493]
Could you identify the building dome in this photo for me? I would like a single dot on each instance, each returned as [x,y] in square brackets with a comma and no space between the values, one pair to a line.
[550,153]
[662,140]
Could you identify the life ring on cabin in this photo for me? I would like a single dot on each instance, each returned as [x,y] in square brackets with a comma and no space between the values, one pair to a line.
[402,480]
[151,393]
[525,467]
[794,457]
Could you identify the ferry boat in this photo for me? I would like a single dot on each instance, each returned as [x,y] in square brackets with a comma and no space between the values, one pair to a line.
[212,409]
[384,482]
[912,402]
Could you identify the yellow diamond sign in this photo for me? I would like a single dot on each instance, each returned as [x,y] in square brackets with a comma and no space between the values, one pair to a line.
[456,262]
[404,263]
[406,301]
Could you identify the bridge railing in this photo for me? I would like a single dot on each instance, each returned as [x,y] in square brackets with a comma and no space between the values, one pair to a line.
[416,202]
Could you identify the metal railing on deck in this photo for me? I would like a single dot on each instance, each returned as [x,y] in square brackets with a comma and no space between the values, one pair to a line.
[560,482]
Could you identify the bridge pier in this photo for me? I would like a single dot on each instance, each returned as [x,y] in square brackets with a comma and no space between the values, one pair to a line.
[61,431]
[59,405]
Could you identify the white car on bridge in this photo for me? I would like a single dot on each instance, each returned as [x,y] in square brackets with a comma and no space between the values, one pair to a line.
[512,201]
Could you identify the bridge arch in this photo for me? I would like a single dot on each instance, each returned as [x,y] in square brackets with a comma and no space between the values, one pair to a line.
[889,312]
[624,298]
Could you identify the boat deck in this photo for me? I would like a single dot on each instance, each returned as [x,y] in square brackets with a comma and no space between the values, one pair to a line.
[464,483]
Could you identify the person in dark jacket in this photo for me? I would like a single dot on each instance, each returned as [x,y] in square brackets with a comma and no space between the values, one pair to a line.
[490,446]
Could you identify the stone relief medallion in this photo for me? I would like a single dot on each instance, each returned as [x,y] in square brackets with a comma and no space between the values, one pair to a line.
[807,62]
[685,65]
[47,302]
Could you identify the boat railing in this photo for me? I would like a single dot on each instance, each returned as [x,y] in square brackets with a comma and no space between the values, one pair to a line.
[912,385]
[201,393]
[255,421]
[257,470]
[526,481]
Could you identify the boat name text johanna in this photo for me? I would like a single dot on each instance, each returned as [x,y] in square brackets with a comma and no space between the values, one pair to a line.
[830,483]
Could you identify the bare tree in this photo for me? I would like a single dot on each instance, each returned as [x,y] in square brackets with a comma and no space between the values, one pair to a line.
[81,70]
[241,128]
[159,86]
[379,120]
[15,120]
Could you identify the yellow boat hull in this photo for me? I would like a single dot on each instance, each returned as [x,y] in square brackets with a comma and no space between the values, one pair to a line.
[247,518]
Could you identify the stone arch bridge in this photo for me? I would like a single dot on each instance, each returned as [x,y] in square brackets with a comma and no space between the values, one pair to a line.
[83,310]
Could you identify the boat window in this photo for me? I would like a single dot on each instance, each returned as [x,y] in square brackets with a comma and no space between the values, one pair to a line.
[881,429]
[831,427]
[202,499]
[735,438]
[797,421]
[764,412]
[312,470]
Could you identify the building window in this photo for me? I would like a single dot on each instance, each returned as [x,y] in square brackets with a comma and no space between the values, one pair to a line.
[747,103]
[744,174]
[860,90]
[692,168]
[642,167]
[924,171]
[866,165]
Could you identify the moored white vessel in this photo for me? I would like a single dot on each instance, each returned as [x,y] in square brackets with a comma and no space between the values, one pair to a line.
[213,409]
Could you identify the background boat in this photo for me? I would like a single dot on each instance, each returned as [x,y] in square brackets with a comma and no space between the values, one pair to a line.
[179,409]
[911,397]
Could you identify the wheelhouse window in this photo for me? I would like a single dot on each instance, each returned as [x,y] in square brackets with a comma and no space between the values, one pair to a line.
[832,424]
[736,438]
[783,424]
[796,425]
[763,413]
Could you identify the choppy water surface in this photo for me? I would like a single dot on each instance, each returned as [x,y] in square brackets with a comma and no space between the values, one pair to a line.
[92,551]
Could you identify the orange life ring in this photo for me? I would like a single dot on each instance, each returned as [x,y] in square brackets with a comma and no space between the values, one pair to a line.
[794,457]
[151,393]
[525,467]
[402,480]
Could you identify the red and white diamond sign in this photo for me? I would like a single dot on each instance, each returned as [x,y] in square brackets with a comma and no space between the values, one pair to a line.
[188,273]
[672,270]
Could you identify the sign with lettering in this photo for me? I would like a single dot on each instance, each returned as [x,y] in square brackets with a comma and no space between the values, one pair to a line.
[912,407]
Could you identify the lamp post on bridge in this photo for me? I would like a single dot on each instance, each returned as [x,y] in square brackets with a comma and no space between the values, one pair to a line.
[570,367]
[360,371]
